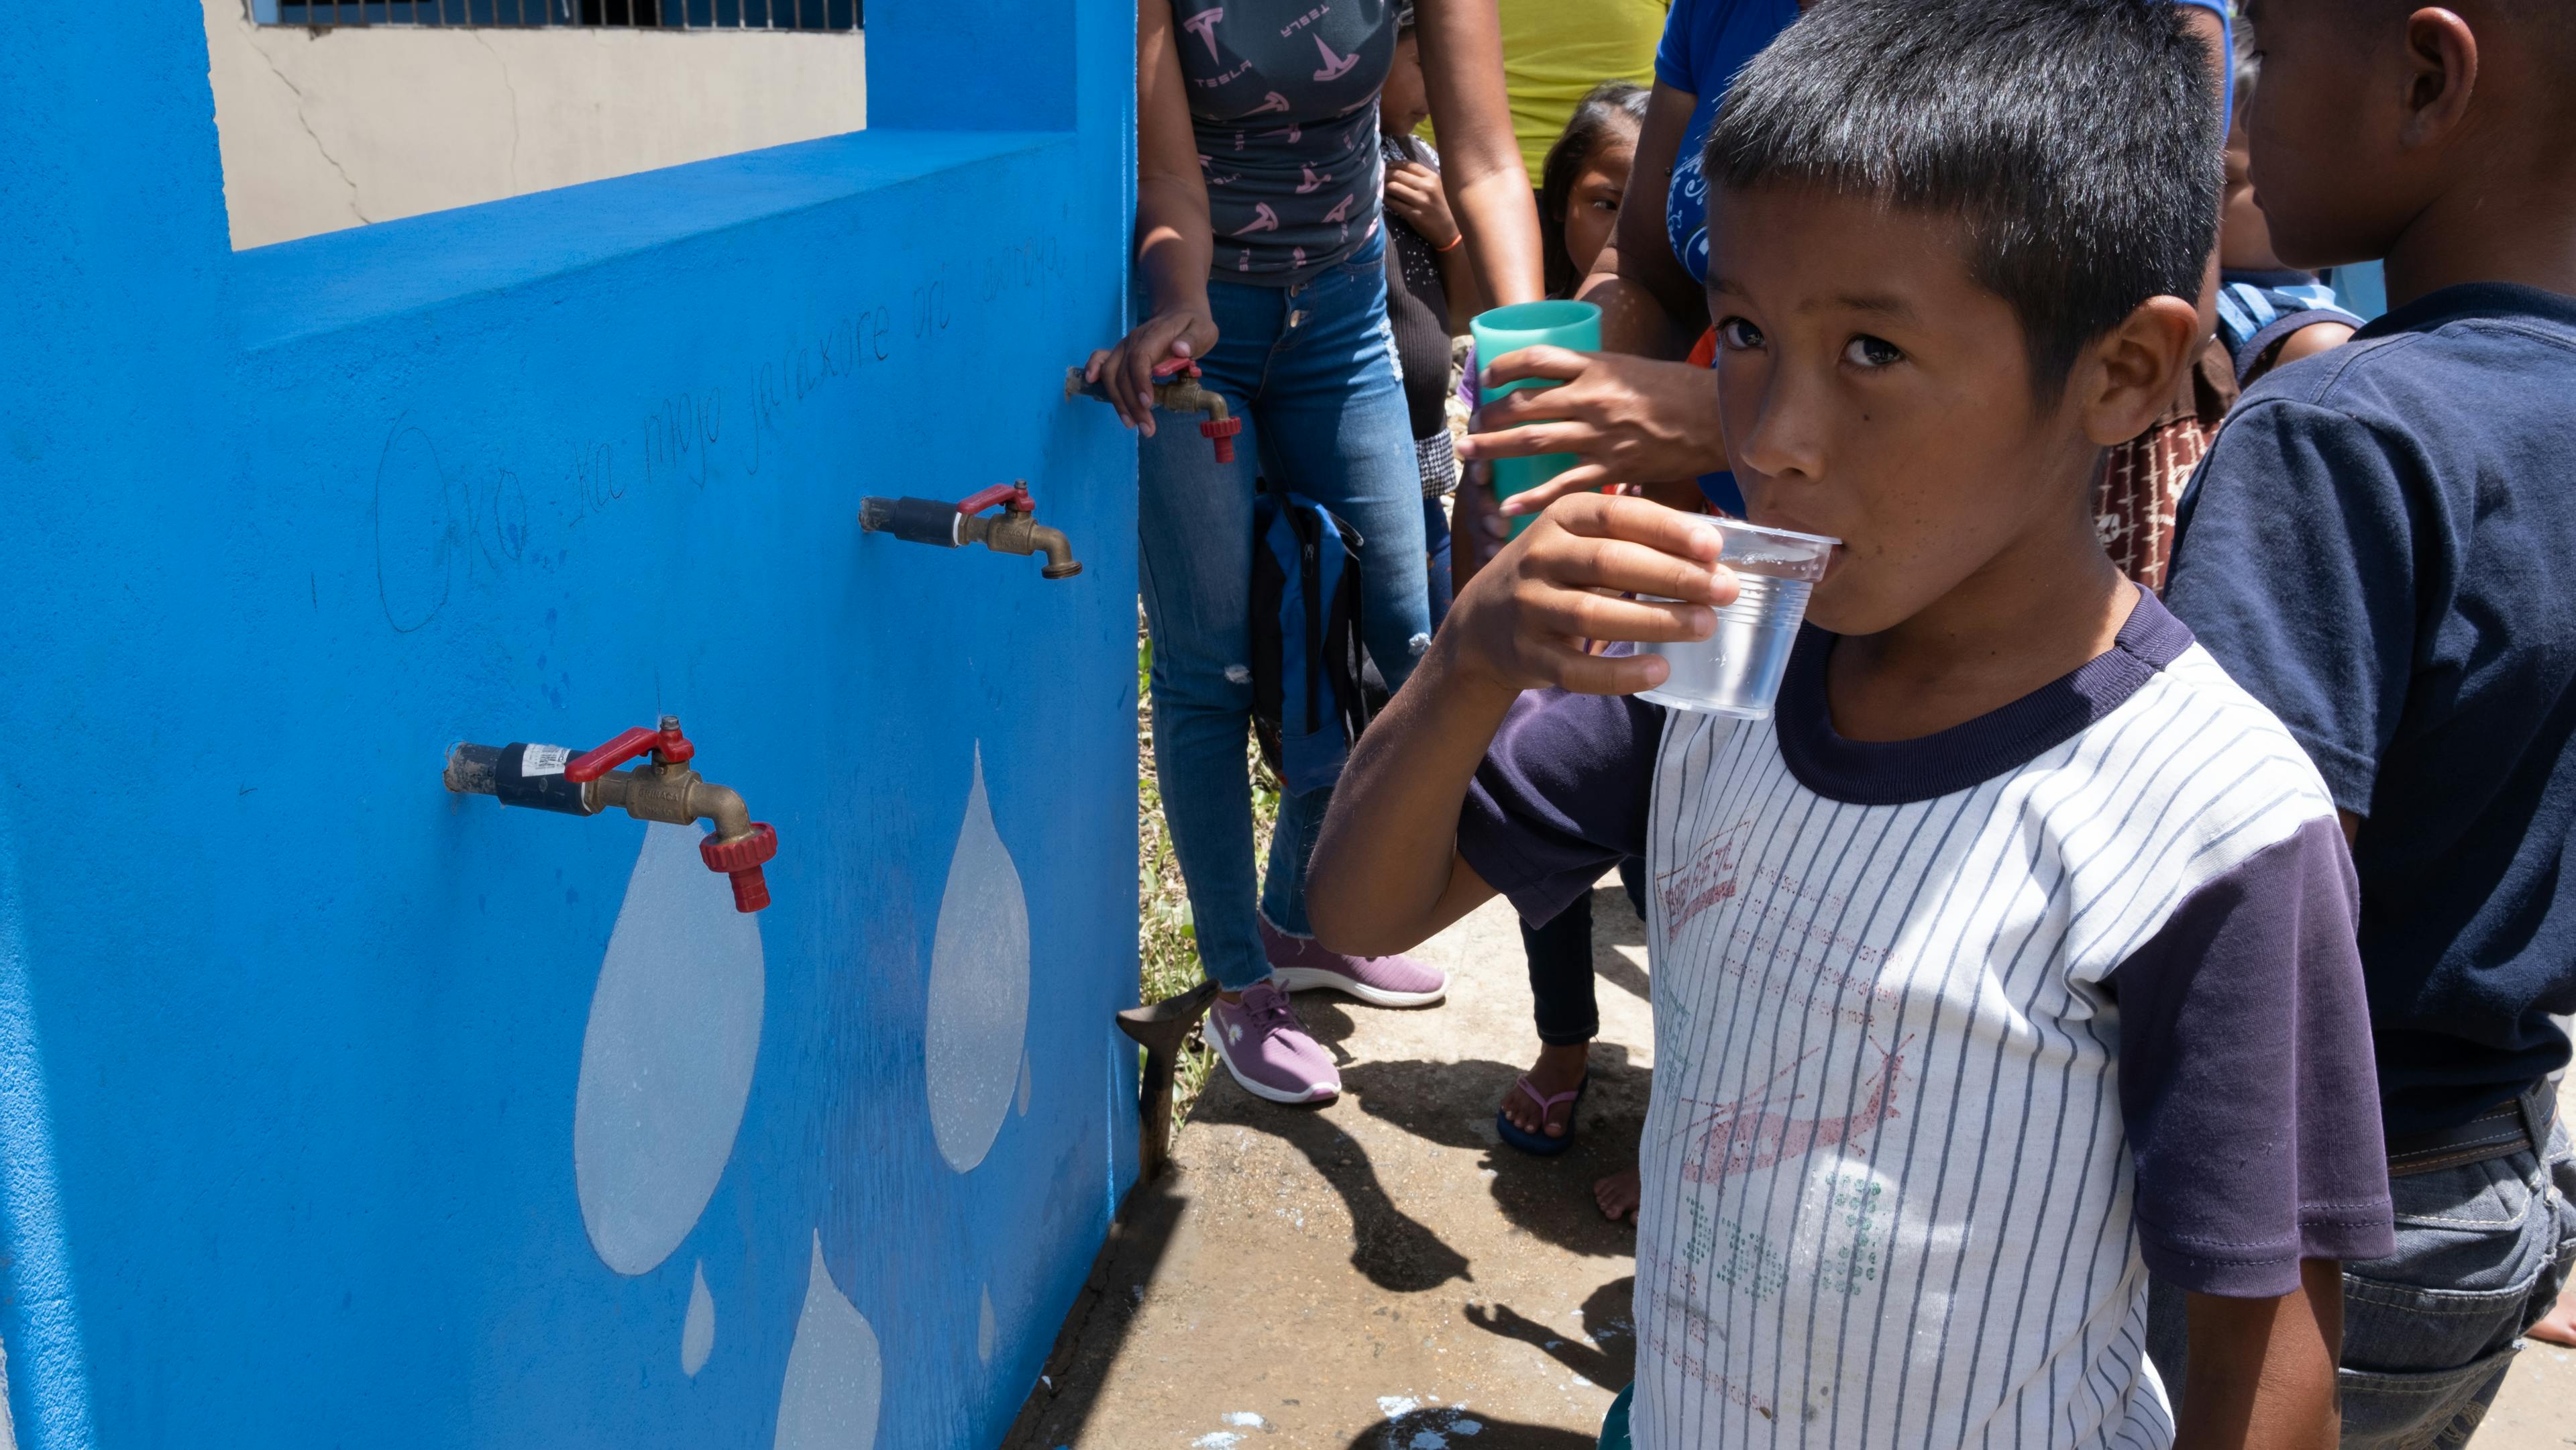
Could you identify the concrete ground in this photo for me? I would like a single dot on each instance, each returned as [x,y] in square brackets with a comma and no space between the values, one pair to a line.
[1381,1274]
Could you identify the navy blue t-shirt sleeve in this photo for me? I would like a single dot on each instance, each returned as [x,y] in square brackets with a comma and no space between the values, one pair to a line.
[2293,563]
[1562,796]
[2246,1080]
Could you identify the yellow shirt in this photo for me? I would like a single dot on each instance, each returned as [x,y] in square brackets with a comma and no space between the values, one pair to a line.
[1555,50]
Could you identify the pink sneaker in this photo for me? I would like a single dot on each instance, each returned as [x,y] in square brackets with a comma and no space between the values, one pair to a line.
[1299,964]
[1260,1042]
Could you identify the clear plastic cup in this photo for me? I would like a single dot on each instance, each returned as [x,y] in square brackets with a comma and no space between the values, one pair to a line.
[1737,669]
[1509,329]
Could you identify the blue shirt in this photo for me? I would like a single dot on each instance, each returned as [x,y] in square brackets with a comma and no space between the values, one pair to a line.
[2381,547]
[1705,43]
[2258,311]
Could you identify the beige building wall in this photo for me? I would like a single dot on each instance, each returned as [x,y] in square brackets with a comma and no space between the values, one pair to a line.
[324,129]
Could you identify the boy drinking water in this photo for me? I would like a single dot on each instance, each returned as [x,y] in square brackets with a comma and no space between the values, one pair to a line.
[2013,955]
[2381,545]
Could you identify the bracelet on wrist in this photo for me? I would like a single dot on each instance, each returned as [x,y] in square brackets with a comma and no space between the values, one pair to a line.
[1452,244]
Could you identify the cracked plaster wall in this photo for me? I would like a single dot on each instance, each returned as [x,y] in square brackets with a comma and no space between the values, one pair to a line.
[328,129]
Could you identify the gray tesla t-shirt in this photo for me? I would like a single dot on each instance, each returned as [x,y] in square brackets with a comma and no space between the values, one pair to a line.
[1283,97]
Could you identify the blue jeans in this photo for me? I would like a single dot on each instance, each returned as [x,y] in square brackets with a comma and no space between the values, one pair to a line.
[1311,370]
[1435,538]
[2429,1331]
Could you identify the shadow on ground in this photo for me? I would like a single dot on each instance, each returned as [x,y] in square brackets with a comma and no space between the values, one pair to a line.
[1396,1251]
[1328,1276]
[1452,1104]
[1060,1404]
[1459,1429]
[1611,1357]
[1548,1198]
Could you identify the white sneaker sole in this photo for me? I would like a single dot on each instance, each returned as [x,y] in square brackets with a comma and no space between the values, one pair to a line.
[1321,1093]
[1309,979]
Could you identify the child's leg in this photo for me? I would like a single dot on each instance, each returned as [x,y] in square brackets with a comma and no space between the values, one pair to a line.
[1560,976]
[1568,1014]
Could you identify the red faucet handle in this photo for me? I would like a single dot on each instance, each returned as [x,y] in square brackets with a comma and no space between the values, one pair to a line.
[590,765]
[1222,435]
[1179,367]
[1013,495]
[741,860]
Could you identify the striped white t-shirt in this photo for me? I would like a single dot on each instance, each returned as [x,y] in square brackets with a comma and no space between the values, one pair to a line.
[1938,1023]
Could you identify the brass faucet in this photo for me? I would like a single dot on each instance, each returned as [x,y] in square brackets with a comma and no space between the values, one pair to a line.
[551,778]
[1177,388]
[1015,530]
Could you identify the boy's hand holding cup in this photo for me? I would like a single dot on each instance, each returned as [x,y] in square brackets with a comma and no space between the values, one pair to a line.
[1525,621]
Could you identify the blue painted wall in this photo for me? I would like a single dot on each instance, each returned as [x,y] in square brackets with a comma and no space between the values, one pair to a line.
[290,1037]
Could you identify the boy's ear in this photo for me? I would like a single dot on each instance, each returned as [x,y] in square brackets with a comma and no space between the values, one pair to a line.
[2441,72]
[2128,378]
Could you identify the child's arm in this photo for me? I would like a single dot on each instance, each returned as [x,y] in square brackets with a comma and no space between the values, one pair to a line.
[1174,238]
[2308,341]
[2262,1371]
[2250,1099]
[1462,76]
[1386,871]
[1413,193]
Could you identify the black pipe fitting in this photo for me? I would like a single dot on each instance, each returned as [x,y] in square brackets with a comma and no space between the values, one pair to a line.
[914,520]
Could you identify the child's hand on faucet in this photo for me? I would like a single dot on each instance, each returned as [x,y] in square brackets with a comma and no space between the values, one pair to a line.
[1126,372]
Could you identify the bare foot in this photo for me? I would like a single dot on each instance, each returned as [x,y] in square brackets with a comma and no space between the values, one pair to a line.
[2559,1326]
[1559,1070]
[1618,1195]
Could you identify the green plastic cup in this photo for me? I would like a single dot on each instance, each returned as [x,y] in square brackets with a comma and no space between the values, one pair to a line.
[1509,329]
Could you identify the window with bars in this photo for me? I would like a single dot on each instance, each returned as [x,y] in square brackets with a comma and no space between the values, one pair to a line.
[618,14]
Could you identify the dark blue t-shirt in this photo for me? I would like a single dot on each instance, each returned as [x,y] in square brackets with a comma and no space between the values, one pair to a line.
[2381,546]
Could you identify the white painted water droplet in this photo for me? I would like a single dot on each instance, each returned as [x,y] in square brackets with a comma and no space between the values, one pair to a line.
[988,1334]
[979,988]
[834,1373]
[698,1330]
[1024,1085]
[666,1061]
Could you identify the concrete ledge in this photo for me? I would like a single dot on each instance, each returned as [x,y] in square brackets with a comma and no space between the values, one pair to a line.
[347,279]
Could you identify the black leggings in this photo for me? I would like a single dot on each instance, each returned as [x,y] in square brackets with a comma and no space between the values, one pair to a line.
[1560,965]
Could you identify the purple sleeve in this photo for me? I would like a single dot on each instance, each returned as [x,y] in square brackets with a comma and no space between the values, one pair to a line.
[1561,798]
[2246,1080]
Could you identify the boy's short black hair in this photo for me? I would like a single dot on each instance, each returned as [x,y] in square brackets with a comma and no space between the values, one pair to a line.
[2079,140]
